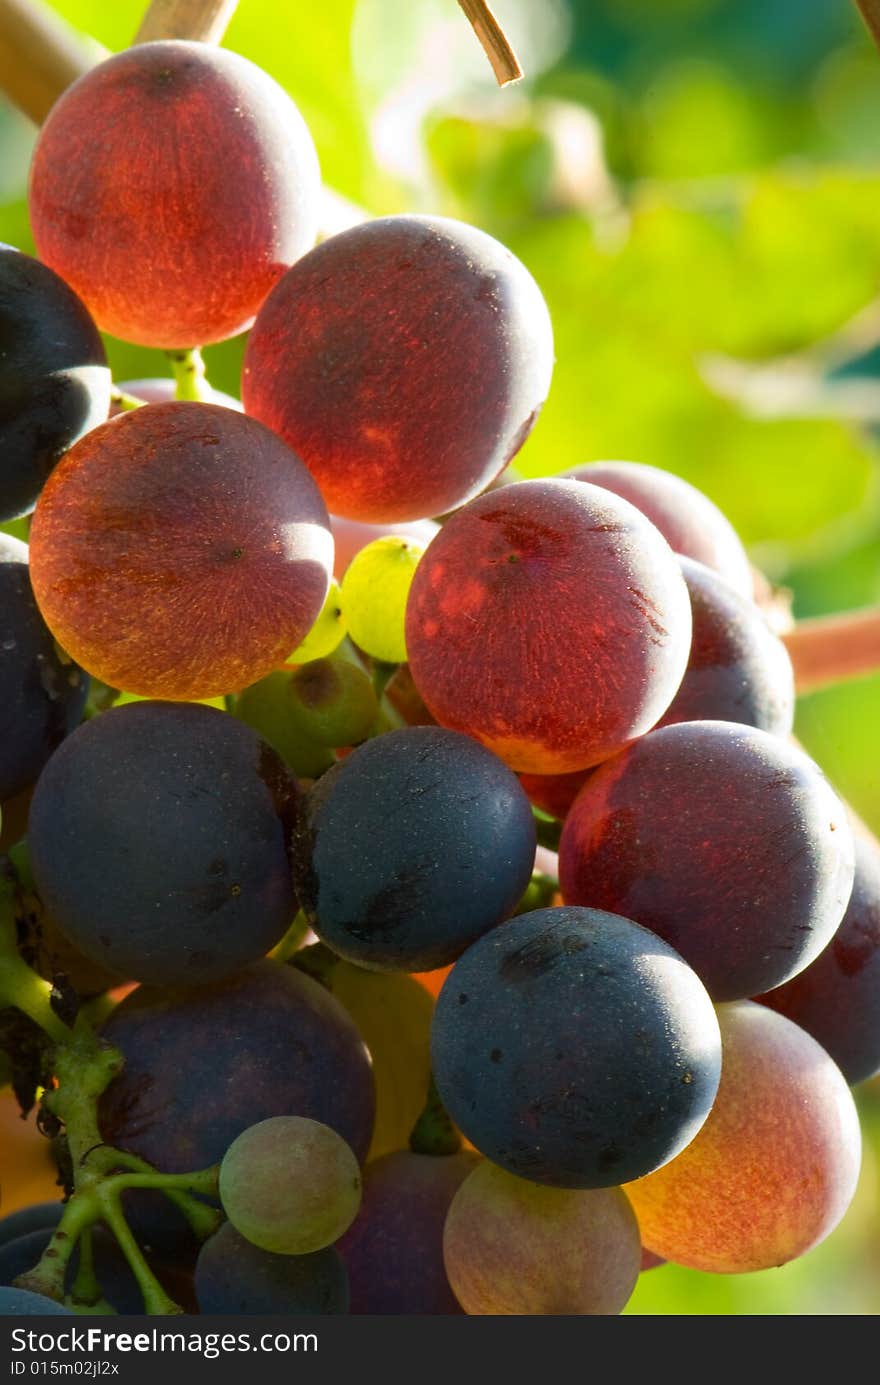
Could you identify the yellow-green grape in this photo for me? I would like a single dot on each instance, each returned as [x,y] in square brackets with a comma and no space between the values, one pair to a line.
[270,708]
[290,1185]
[374,594]
[336,703]
[392,1013]
[326,634]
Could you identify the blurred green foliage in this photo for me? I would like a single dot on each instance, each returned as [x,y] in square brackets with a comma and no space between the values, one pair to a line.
[696,186]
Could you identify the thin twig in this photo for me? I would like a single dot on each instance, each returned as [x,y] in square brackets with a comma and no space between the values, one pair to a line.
[203,20]
[831,649]
[496,44]
[40,55]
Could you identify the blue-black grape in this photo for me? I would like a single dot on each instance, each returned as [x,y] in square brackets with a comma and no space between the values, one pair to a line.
[233,1276]
[40,1216]
[159,843]
[114,1274]
[394,1249]
[21,1303]
[837,997]
[412,847]
[54,381]
[42,694]
[575,1048]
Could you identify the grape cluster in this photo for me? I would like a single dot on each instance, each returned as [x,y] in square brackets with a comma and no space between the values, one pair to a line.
[289,694]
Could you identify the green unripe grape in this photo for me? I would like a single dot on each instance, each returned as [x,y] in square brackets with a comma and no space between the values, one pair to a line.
[290,1185]
[270,708]
[374,595]
[326,634]
[336,703]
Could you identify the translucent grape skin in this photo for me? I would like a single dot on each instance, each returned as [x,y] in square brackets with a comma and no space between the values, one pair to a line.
[202,812]
[42,695]
[234,1276]
[356,360]
[775,1166]
[411,847]
[724,840]
[180,551]
[514,1248]
[689,521]
[351,535]
[20,1303]
[738,670]
[394,1249]
[837,997]
[274,1041]
[572,1047]
[374,596]
[165,247]
[550,621]
[54,381]
[290,1185]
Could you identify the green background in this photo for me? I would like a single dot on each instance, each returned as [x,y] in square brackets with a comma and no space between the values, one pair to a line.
[695,184]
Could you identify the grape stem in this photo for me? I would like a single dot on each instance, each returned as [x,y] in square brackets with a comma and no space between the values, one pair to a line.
[831,649]
[204,20]
[20,987]
[870,11]
[189,373]
[124,401]
[496,44]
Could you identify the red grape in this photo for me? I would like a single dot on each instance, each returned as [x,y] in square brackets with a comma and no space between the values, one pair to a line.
[180,551]
[171,187]
[405,361]
[725,841]
[549,620]
[686,518]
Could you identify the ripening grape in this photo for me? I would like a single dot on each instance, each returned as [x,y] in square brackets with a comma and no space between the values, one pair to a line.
[375,589]
[514,1248]
[774,1168]
[326,634]
[290,1185]
[549,620]
[405,360]
[411,847]
[271,708]
[691,524]
[180,551]
[738,670]
[234,1276]
[42,692]
[351,535]
[202,811]
[393,1251]
[174,238]
[333,701]
[54,381]
[572,1047]
[724,840]
[837,997]
[392,1013]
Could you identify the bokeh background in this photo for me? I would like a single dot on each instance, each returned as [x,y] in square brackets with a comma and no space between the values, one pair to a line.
[695,184]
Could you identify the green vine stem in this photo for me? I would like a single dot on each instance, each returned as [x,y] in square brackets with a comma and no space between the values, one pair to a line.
[124,401]
[433,1132]
[189,374]
[20,987]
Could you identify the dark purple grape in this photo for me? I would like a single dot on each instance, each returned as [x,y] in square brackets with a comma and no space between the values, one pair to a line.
[394,1250]
[727,842]
[412,847]
[40,1216]
[159,843]
[54,381]
[837,997]
[738,670]
[15,1303]
[42,694]
[233,1276]
[272,1040]
[575,1048]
